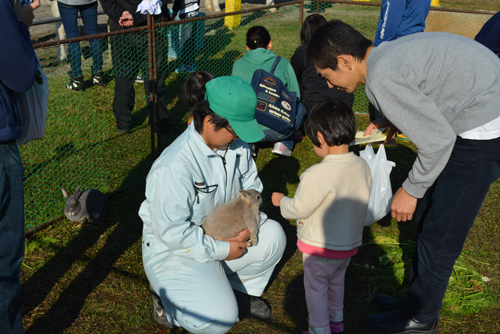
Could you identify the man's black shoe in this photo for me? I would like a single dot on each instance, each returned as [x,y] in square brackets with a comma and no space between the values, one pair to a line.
[388,303]
[252,306]
[159,313]
[398,322]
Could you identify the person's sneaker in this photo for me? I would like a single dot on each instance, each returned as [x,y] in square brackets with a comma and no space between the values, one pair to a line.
[187,69]
[98,79]
[140,78]
[75,84]
[159,313]
[281,149]
[252,306]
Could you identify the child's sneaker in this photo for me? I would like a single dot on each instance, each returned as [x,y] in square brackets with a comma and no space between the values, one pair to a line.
[98,79]
[75,84]
[281,149]
[336,327]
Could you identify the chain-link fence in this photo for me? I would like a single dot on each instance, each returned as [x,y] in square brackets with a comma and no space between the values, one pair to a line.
[101,137]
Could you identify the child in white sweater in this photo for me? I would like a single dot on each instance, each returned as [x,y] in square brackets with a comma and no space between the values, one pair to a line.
[330,206]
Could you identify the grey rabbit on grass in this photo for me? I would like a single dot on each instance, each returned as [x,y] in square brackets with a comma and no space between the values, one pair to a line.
[235,215]
[87,204]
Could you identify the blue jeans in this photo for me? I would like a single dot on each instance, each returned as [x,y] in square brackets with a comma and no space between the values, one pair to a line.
[445,216]
[11,238]
[69,16]
[286,138]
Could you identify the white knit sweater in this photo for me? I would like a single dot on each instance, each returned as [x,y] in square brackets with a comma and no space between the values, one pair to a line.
[330,202]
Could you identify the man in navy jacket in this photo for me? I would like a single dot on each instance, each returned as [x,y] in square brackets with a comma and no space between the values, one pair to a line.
[17,74]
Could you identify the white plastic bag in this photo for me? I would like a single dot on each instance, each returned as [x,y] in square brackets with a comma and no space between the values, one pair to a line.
[33,106]
[380,201]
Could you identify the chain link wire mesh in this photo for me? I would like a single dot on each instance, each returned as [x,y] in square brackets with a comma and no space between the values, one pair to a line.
[100,137]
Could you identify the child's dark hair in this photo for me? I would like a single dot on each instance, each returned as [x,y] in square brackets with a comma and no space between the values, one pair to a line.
[334,120]
[311,24]
[202,110]
[258,37]
[334,39]
[194,87]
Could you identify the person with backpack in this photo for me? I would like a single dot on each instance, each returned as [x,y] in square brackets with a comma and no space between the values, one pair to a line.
[259,56]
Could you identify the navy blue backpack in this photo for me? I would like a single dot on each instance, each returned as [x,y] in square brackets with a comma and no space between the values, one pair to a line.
[276,106]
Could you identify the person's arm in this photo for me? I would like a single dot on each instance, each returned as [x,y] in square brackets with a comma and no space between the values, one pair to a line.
[176,8]
[298,62]
[293,83]
[399,98]
[391,14]
[18,64]
[310,193]
[115,10]
[171,198]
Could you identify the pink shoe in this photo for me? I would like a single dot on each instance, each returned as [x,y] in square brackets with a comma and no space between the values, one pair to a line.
[335,327]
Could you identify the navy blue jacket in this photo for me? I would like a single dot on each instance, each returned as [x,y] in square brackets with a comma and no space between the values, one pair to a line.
[489,35]
[17,69]
[399,18]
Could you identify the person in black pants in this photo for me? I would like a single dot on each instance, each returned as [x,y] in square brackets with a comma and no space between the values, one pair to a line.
[129,55]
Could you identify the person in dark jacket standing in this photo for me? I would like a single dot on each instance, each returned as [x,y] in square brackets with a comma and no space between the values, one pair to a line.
[129,54]
[313,88]
[17,74]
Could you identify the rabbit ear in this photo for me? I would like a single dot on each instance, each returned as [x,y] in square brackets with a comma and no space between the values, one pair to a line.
[245,195]
[77,192]
[65,193]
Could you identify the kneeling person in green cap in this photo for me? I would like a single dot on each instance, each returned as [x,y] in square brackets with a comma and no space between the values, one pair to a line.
[199,283]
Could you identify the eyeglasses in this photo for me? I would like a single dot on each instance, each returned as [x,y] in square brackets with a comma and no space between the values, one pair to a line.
[231,131]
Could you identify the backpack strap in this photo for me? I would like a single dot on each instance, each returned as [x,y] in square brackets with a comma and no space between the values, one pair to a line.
[276,61]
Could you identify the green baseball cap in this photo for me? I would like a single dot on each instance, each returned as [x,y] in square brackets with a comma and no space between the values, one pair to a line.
[234,99]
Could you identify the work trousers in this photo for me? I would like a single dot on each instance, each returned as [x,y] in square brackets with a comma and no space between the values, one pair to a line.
[199,296]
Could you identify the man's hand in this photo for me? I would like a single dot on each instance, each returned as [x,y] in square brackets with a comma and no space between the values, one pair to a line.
[403,205]
[238,248]
[126,20]
[24,14]
[242,235]
[276,198]
[238,243]
[381,123]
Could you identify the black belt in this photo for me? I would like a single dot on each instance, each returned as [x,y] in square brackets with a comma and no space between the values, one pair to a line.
[8,142]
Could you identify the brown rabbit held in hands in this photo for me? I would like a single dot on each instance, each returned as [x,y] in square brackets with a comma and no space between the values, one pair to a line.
[87,204]
[233,216]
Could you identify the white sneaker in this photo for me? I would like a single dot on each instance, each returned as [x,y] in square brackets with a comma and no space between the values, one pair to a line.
[281,149]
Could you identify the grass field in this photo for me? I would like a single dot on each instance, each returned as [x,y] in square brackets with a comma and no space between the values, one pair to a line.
[89,278]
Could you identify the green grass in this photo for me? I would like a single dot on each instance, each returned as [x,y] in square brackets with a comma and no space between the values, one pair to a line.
[89,278]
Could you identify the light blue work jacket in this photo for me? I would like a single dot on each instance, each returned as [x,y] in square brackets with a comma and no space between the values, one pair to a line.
[185,184]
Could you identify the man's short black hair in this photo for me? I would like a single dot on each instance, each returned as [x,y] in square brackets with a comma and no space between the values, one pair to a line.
[334,120]
[202,110]
[334,39]
[311,24]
